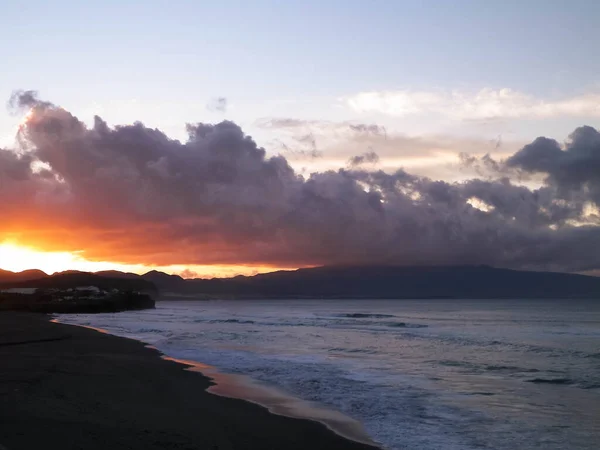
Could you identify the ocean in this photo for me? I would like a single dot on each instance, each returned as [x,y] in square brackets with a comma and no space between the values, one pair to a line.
[418,374]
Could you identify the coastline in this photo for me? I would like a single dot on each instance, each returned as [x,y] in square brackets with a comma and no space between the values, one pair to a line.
[277,402]
[244,388]
[72,387]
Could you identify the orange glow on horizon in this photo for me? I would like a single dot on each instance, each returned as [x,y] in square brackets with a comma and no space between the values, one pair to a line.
[16,258]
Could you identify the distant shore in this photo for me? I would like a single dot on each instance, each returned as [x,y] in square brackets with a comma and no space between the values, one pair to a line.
[70,387]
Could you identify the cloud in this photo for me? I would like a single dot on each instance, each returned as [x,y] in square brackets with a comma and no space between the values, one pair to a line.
[484,104]
[572,169]
[340,142]
[306,145]
[369,129]
[21,99]
[368,157]
[218,104]
[187,273]
[131,194]
[288,123]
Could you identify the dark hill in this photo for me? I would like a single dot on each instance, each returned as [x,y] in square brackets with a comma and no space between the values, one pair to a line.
[117,274]
[71,279]
[336,282]
[33,274]
[401,282]
[165,282]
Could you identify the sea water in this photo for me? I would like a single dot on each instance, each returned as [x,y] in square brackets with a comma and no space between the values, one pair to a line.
[426,374]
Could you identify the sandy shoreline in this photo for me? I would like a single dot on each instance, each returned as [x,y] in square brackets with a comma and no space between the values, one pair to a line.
[277,402]
[70,387]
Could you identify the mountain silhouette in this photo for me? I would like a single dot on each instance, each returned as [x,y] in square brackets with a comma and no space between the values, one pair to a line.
[464,282]
[72,279]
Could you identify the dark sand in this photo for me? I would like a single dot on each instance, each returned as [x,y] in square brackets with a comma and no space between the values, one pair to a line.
[65,387]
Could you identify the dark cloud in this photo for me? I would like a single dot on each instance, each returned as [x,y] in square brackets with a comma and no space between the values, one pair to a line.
[218,104]
[368,157]
[20,100]
[573,169]
[484,165]
[371,129]
[307,145]
[300,146]
[132,194]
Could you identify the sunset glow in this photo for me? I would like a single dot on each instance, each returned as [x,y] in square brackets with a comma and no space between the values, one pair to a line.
[16,258]
[436,172]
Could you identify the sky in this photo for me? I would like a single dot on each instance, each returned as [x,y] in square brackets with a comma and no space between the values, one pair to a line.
[335,93]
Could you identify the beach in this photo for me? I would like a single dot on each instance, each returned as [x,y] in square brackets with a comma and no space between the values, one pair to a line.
[71,387]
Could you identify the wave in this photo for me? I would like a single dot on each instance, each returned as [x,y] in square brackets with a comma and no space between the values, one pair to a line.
[150,330]
[494,368]
[353,350]
[482,343]
[405,325]
[567,382]
[464,364]
[344,322]
[365,316]
[481,368]
[562,381]
[241,321]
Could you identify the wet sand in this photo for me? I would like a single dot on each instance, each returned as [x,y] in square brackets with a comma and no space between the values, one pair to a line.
[278,402]
[68,387]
